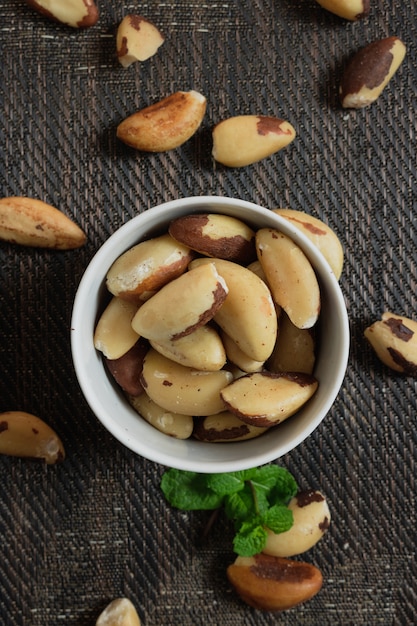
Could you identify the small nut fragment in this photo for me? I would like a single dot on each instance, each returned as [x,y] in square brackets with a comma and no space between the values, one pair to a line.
[311,519]
[120,612]
[137,39]
[25,435]
[75,13]
[164,125]
[271,583]
[394,339]
[173,424]
[215,235]
[265,399]
[352,10]
[31,222]
[224,426]
[294,350]
[245,139]
[369,71]
[323,237]
[114,335]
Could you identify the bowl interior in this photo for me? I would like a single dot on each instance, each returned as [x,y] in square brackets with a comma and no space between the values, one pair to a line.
[109,404]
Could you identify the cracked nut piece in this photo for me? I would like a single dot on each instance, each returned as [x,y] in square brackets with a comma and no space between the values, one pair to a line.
[75,13]
[369,71]
[311,519]
[120,612]
[352,10]
[164,125]
[25,435]
[394,340]
[245,139]
[137,39]
[271,583]
[31,222]
[265,399]
[319,233]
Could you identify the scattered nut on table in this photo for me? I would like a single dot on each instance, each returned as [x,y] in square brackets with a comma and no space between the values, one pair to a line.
[369,72]
[31,222]
[394,340]
[75,13]
[352,10]
[25,435]
[272,583]
[245,139]
[120,612]
[137,39]
[164,125]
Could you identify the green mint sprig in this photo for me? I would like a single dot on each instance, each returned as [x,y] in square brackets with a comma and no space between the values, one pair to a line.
[253,499]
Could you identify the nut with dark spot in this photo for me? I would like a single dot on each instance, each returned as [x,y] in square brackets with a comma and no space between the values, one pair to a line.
[224,427]
[394,340]
[25,435]
[75,13]
[137,40]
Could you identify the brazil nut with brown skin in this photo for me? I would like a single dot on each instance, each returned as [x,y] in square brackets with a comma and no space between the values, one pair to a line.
[74,13]
[223,427]
[352,10]
[369,72]
[394,340]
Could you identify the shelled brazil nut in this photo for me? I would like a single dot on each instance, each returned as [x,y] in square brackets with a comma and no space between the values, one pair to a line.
[211,330]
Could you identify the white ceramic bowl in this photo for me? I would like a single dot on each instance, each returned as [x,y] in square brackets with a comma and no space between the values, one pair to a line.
[114,412]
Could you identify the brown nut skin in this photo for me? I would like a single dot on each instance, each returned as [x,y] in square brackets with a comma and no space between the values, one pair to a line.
[394,340]
[127,369]
[352,10]
[369,71]
[215,235]
[224,427]
[165,125]
[137,39]
[74,13]
[274,584]
[26,435]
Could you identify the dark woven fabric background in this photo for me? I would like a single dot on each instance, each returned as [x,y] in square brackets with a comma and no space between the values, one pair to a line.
[75,536]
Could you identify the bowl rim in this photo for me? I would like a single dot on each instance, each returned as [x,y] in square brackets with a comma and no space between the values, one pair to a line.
[83,355]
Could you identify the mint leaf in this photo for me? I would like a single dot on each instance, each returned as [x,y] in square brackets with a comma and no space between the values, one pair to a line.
[250,538]
[278,518]
[285,487]
[227,483]
[189,491]
[240,506]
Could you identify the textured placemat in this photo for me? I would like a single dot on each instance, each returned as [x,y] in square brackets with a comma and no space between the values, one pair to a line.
[79,534]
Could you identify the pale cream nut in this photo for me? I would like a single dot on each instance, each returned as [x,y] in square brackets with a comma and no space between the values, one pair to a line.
[31,222]
[120,612]
[171,424]
[290,275]
[319,233]
[369,72]
[265,399]
[137,39]
[202,349]
[394,340]
[311,520]
[294,350]
[25,435]
[114,334]
[352,10]
[245,139]
[224,427]
[236,356]
[75,13]
[181,389]
[165,125]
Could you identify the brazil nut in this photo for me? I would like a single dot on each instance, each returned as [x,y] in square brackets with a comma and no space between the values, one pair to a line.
[223,427]
[173,424]
[394,340]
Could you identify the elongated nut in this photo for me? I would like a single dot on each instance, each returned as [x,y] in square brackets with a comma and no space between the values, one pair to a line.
[25,435]
[215,235]
[224,426]
[183,305]
[294,350]
[75,13]
[273,584]
[164,125]
[369,72]
[265,399]
[311,519]
[147,266]
[173,424]
[31,222]
[181,389]
[114,334]
[394,339]
[137,39]
[323,237]
[352,10]
[290,277]
[120,612]
[127,369]
[245,139]
[202,349]
[247,314]
[236,356]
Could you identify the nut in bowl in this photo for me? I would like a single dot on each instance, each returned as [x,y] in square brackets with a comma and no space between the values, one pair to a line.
[114,407]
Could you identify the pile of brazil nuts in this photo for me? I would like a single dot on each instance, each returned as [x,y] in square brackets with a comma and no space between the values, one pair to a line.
[211,327]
